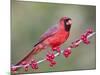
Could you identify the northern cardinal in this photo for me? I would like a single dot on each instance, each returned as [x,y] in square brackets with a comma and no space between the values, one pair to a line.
[53,37]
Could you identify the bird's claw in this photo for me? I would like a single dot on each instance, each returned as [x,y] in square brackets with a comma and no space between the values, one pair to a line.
[57,49]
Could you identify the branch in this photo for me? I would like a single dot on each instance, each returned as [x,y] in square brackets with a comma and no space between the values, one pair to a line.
[66,52]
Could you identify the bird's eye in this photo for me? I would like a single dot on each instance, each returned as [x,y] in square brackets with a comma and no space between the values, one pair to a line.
[69,22]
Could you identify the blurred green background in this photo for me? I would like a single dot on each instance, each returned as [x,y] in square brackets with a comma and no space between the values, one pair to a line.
[31,19]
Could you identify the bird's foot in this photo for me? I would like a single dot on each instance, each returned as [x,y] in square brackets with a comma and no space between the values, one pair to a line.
[57,49]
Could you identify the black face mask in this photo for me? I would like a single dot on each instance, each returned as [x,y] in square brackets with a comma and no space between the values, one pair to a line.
[67,27]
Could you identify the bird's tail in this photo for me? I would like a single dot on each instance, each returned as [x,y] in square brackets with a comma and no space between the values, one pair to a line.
[30,55]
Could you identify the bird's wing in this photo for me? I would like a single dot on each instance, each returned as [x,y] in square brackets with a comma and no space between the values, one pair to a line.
[50,32]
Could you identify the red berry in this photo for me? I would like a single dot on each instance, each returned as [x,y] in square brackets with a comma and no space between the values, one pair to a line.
[34,64]
[67,52]
[90,31]
[84,39]
[49,59]
[26,68]
[13,69]
[52,63]
[50,56]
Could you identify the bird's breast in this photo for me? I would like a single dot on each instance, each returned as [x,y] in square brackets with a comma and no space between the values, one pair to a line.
[59,38]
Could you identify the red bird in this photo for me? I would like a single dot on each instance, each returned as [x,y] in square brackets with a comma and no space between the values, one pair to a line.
[53,37]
